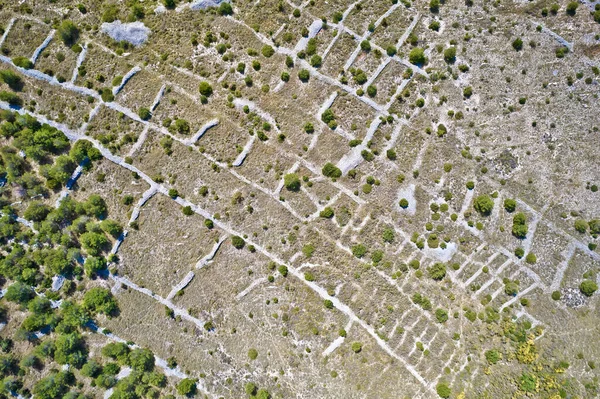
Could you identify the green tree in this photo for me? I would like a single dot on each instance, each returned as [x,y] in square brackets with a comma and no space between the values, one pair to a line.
[519,228]
[450,55]
[441,315]
[517,44]
[238,242]
[510,205]
[205,89]
[94,264]
[483,204]
[93,243]
[225,8]
[417,56]
[144,114]
[330,170]
[70,349]
[304,75]
[437,271]
[53,386]
[187,386]
[19,292]
[581,226]
[100,300]
[141,359]
[291,182]
[111,227]
[359,250]
[13,80]
[37,211]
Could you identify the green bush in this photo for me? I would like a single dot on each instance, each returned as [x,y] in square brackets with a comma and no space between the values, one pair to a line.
[572,8]
[356,347]
[359,250]
[326,213]
[252,354]
[267,51]
[403,203]
[493,356]
[437,271]
[588,287]
[581,225]
[441,315]
[304,75]
[238,242]
[372,91]
[443,390]
[556,295]
[531,258]
[332,171]
[144,114]
[517,44]
[23,62]
[519,228]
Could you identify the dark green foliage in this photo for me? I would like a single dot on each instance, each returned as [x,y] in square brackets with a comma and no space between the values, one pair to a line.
[116,350]
[441,315]
[581,226]
[93,243]
[493,356]
[304,75]
[111,227]
[283,270]
[54,385]
[82,150]
[37,211]
[93,265]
